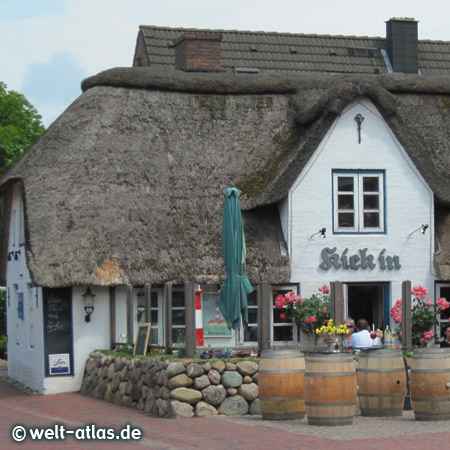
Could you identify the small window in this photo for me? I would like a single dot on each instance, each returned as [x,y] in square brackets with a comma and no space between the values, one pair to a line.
[358,199]
[178,318]
[251,332]
[443,290]
[156,335]
[282,329]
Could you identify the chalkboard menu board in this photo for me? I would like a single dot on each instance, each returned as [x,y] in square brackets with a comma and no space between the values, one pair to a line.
[141,343]
[58,343]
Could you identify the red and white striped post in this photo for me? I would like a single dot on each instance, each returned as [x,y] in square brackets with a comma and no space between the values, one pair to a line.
[199,318]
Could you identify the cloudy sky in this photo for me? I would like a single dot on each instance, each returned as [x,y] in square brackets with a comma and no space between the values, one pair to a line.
[47,47]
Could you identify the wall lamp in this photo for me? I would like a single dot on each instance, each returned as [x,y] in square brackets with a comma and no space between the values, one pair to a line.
[10,255]
[88,298]
[140,305]
[16,255]
[422,229]
[322,232]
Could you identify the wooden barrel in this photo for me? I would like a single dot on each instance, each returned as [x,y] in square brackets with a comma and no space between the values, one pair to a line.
[330,389]
[280,384]
[430,384]
[381,379]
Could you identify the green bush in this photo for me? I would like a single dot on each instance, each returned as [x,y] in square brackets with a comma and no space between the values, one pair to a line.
[2,346]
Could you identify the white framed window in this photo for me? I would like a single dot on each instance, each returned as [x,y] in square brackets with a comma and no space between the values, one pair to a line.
[358,201]
[442,290]
[250,333]
[156,318]
[178,318]
[283,331]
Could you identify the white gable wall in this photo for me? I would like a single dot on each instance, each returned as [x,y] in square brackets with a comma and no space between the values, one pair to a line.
[408,205]
[25,334]
[25,341]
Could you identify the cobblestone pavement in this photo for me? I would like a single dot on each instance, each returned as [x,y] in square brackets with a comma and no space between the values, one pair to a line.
[19,407]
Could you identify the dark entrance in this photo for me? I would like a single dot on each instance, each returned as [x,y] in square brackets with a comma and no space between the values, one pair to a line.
[368,301]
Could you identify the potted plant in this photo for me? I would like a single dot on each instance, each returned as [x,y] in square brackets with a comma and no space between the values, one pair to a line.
[307,313]
[423,316]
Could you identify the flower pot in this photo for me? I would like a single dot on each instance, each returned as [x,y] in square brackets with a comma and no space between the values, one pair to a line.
[430,384]
[333,344]
[381,382]
[330,389]
[280,384]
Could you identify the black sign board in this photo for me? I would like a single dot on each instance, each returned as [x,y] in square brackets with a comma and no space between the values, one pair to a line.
[58,342]
[142,336]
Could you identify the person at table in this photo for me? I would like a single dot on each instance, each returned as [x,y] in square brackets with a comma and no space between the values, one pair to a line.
[446,342]
[351,327]
[362,339]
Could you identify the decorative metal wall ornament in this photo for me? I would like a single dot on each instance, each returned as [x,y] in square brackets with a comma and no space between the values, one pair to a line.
[359,119]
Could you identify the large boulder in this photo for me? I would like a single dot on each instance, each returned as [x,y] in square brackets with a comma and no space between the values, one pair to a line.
[186,395]
[180,410]
[214,395]
[231,379]
[234,406]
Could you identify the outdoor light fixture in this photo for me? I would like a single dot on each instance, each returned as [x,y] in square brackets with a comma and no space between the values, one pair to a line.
[422,229]
[322,232]
[140,305]
[10,255]
[88,298]
[16,255]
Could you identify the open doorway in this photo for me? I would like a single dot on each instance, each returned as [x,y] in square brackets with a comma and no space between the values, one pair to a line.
[369,301]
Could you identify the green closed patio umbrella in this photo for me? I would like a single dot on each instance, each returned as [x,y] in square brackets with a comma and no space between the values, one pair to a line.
[233,293]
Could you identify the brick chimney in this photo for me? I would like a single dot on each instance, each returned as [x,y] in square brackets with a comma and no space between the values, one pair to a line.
[402,44]
[199,52]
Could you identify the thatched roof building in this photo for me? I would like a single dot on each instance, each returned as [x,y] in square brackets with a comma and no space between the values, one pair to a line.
[126,186]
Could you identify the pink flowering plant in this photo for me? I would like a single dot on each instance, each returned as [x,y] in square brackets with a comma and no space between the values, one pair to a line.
[308,313]
[423,313]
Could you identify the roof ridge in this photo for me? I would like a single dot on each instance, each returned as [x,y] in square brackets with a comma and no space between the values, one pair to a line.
[278,33]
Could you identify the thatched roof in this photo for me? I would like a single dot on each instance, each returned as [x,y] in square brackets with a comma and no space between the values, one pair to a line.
[126,186]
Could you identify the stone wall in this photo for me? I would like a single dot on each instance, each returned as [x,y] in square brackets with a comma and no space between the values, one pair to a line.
[174,389]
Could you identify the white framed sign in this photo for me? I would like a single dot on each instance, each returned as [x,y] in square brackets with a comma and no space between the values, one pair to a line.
[59,364]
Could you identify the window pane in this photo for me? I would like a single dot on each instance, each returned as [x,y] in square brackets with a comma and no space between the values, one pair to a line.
[371,220]
[251,334]
[282,333]
[252,299]
[252,315]
[345,202]
[371,202]
[178,335]
[178,317]
[276,315]
[370,184]
[153,336]
[177,299]
[345,220]
[154,299]
[444,292]
[154,317]
[345,184]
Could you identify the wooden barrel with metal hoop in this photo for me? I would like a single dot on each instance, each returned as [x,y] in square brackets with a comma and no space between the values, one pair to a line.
[280,384]
[381,379]
[330,389]
[430,383]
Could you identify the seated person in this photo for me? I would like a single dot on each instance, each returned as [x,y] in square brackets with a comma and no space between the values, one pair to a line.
[362,337]
[446,342]
[351,327]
